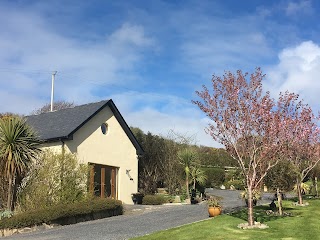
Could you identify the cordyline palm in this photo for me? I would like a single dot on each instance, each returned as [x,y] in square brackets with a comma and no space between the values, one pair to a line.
[197,175]
[186,158]
[18,147]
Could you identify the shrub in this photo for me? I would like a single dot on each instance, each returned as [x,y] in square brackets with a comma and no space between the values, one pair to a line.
[214,201]
[215,177]
[305,188]
[5,214]
[182,193]
[153,199]
[56,178]
[57,213]
[238,184]
[169,198]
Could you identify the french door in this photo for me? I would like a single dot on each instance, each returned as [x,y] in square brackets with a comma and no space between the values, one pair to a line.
[103,181]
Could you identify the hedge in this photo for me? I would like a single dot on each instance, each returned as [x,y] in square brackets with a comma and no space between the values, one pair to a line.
[215,176]
[153,199]
[61,214]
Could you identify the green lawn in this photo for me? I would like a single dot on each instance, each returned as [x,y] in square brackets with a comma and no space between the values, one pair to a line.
[304,223]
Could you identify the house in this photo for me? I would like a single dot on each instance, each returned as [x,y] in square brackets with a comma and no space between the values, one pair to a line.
[99,136]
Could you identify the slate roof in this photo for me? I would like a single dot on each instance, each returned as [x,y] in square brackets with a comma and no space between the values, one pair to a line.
[62,124]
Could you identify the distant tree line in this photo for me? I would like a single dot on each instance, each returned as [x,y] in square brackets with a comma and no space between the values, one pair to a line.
[160,165]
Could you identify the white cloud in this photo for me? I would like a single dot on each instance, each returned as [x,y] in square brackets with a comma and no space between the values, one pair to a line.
[177,114]
[131,34]
[31,49]
[97,56]
[298,71]
[161,123]
[294,8]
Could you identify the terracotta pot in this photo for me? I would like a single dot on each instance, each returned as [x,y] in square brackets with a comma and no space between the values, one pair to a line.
[214,211]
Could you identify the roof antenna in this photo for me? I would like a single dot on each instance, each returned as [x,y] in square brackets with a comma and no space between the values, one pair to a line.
[52,89]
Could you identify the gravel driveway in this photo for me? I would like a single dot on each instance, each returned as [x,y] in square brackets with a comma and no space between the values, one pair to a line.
[231,198]
[140,220]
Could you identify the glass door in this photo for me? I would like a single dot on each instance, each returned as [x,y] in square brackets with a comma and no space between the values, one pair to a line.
[103,181]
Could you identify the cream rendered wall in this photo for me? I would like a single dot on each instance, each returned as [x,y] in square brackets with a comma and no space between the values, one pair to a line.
[53,146]
[113,149]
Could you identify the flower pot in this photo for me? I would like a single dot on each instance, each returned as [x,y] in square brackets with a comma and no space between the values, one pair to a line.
[137,198]
[214,211]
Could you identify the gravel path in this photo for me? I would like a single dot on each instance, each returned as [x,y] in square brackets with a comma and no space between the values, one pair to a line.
[231,198]
[140,220]
[135,223]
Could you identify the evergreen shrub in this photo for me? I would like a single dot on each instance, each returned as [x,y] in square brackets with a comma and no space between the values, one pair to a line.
[215,176]
[157,199]
[58,213]
[238,184]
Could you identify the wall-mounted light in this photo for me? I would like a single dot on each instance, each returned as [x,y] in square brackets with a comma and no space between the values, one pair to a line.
[128,173]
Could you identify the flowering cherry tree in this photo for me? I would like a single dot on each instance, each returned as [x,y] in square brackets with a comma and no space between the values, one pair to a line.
[301,137]
[244,120]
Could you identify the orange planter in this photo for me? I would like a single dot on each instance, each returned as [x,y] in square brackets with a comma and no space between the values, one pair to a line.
[214,211]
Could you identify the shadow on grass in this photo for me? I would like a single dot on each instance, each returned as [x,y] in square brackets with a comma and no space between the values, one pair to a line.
[260,214]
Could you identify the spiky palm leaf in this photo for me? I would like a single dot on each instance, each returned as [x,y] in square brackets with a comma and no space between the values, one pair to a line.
[186,158]
[18,147]
[197,175]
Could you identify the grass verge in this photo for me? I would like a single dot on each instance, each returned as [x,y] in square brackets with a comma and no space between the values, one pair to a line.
[304,223]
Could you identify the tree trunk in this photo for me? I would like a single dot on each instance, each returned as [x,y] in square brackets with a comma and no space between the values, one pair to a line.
[187,186]
[9,196]
[299,191]
[316,186]
[279,201]
[194,184]
[15,183]
[250,207]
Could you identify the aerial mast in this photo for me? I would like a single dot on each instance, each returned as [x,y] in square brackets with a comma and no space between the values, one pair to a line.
[52,89]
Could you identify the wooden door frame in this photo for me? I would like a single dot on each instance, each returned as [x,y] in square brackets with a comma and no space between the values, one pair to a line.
[114,182]
[114,192]
[102,180]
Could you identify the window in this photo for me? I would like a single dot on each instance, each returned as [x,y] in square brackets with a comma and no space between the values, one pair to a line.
[104,128]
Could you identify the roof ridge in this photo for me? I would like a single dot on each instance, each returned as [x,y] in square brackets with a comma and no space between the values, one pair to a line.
[67,108]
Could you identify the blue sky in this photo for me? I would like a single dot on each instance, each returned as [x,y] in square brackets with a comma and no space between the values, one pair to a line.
[151,56]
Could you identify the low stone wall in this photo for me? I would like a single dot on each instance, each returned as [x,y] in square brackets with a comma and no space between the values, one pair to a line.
[8,231]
